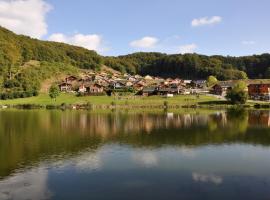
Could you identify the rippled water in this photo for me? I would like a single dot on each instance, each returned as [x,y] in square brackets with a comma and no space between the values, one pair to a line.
[120,155]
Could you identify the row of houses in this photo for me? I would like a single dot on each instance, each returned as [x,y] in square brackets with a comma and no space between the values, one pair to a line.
[95,84]
[257,89]
[107,84]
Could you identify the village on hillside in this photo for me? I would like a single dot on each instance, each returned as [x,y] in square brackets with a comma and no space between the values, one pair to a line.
[117,84]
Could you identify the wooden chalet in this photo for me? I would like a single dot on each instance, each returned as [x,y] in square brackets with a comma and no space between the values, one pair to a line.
[222,88]
[71,79]
[259,91]
[65,87]
[94,89]
[170,89]
[149,91]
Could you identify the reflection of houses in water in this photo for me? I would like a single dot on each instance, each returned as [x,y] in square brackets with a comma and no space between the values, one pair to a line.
[259,118]
[109,125]
[221,118]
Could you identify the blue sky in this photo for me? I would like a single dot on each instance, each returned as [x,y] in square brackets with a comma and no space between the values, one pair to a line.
[116,27]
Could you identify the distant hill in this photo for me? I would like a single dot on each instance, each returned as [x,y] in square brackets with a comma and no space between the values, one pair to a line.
[55,59]
[193,66]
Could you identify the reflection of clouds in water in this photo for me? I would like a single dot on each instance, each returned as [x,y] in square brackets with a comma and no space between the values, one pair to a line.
[146,158]
[88,162]
[188,152]
[26,185]
[207,178]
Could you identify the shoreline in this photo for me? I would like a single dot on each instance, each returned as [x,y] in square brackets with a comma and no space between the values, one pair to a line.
[133,107]
[72,102]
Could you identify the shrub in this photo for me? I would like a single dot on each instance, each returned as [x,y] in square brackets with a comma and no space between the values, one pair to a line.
[238,94]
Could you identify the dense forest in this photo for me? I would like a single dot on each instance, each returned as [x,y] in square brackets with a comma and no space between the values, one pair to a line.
[17,50]
[193,66]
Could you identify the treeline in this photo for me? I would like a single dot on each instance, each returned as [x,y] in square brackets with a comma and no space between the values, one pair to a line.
[193,66]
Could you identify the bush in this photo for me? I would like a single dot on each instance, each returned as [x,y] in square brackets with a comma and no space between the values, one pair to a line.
[238,94]
[4,96]
[35,93]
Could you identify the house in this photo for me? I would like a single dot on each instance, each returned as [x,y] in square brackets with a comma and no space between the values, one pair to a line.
[172,89]
[138,77]
[186,82]
[148,91]
[71,79]
[148,77]
[138,86]
[82,88]
[65,87]
[259,91]
[199,83]
[222,88]
[117,85]
[94,89]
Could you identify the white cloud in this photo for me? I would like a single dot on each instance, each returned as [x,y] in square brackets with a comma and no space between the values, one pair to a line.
[189,48]
[248,42]
[88,162]
[146,159]
[91,42]
[26,17]
[206,21]
[145,42]
[207,178]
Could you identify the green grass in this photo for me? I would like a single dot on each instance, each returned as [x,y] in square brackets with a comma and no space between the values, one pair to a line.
[44,99]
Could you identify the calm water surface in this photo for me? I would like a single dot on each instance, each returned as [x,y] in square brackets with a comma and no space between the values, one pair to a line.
[83,155]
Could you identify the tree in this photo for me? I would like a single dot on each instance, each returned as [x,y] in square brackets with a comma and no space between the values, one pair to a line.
[267,73]
[211,80]
[238,94]
[54,92]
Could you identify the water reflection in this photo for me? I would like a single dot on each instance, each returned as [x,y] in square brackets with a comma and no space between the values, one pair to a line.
[60,155]
[29,185]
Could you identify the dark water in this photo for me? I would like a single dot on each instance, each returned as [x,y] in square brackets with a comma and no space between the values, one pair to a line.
[82,155]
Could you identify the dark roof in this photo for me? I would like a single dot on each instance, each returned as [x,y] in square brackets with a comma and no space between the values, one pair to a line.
[65,84]
[225,84]
[258,81]
[149,89]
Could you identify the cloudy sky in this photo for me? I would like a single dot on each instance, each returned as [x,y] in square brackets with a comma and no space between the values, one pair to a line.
[116,27]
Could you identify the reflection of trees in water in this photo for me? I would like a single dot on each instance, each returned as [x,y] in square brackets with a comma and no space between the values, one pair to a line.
[27,136]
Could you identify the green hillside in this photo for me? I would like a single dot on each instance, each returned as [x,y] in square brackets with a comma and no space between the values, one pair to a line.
[22,79]
[25,63]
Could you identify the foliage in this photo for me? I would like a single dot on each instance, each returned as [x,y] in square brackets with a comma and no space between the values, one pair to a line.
[17,49]
[211,80]
[238,94]
[54,92]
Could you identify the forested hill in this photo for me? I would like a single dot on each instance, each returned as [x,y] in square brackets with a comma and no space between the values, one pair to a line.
[193,66]
[15,50]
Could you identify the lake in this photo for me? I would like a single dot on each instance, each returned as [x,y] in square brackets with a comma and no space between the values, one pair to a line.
[194,154]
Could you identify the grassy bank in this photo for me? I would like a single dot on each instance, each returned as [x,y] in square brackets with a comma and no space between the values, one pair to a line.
[44,99]
[131,102]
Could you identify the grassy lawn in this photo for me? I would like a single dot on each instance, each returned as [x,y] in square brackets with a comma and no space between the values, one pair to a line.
[44,99]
